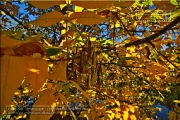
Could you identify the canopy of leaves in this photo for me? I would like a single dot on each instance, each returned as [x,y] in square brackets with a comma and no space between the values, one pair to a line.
[114,59]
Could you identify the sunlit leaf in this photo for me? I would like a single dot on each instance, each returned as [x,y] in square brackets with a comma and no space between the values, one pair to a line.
[45,4]
[7,41]
[43,105]
[92,4]
[37,72]
[12,74]
[87,18]
[48,19]
[59,71]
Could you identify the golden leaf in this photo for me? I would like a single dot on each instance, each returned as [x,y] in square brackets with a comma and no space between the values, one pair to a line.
[37,72]
[45,4]
[87,18]
[36,55]
[171,115]
[42,107]
[123,3]
[78,9]
[59,71]
[133,117]
[131,108]
[125,115]
[48,19]
[7,41]
[173,58]
[63,99]
[93,4]
[12,74]
[93,114]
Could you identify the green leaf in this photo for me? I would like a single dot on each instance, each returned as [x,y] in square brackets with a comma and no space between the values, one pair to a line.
[52,51]
[174,2]
[123,59]
[104,42]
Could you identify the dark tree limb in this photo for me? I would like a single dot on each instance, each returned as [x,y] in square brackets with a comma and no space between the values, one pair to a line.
[19,22]
[163,56]
[152,37]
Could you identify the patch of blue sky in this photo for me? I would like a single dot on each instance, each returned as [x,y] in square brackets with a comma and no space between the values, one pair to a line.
[164,111]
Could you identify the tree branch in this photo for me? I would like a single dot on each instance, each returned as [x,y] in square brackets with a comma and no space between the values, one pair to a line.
[19,22]
[152,37]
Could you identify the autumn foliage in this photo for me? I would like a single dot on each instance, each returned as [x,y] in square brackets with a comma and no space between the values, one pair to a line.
[115,59]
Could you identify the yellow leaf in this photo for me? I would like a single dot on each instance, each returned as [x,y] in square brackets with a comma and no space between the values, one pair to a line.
[117,102]
[62,6]
[45,4]
[176,101]
[48,19]
[93,115]
[93,4]
[42,107]
[3,13]
[78,9]
[63,99]
[125,115]
[131,49]
[37,72]
[59,71]
[133,117]
[93,39]
[36,55]
[171,66]
[87,18]
[173,58]
[172,115]
[132,109]
[135,23]
[12,74]
[7,41]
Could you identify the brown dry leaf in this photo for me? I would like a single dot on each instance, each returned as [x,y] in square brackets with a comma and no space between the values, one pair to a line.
[151,68]
[45,100]
[48,19]
[12,74]
[92,4]
[170,79]
[29,49]
[59,71]
[7,41]
[7,51]
[178,80]
[36,73]
[45,4]
[87,18]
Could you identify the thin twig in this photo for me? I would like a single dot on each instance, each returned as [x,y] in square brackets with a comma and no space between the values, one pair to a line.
[19,22]
[152,37]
